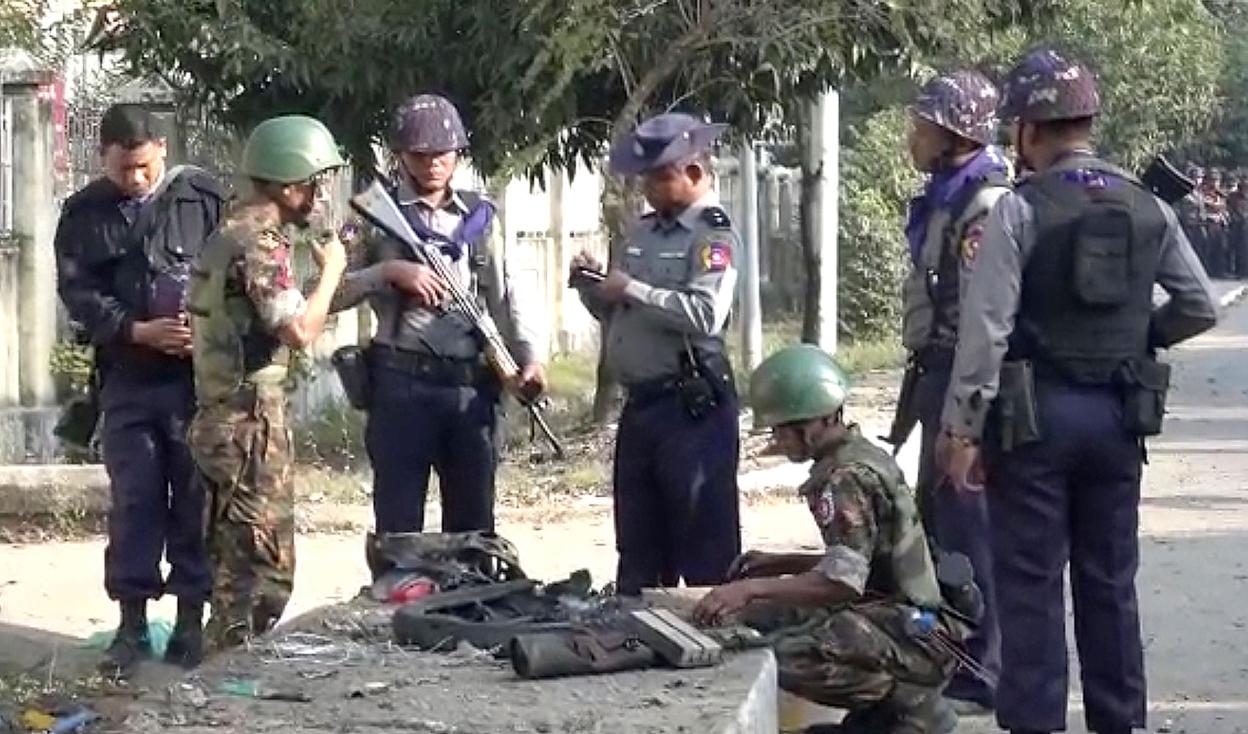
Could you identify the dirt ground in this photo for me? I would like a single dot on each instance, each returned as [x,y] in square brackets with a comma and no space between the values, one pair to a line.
[1194,539]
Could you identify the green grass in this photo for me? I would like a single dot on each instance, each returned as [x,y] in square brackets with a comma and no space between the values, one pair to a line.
[573,376]
[860,358]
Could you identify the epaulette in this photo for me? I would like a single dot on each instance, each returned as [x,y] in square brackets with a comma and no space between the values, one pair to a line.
[716,217]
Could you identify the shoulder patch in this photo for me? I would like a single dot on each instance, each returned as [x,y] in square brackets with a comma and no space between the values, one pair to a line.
[715,255]
[716,217]
[968,249]
[822,507]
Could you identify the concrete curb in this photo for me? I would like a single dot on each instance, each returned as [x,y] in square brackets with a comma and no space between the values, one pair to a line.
[759,713]
[1232,296]
[33,490]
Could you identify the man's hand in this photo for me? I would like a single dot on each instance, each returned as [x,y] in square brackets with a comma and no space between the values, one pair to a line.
[752,564]
[417,281]
[330,255]
[167,336]
[960,458]
[723,601]
[612,289]
[585,260]
[530,382]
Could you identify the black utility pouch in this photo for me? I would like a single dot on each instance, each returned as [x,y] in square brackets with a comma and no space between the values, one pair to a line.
[1102,257]
[1018,418]
[697,393]
[351,364]
[1145,383]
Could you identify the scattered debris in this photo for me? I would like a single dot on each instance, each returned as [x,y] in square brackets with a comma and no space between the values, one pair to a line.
[73,722]
[371,688]
[254,689]
[36,720]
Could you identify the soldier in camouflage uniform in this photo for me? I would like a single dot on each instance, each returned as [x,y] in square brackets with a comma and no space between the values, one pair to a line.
[247,315]
[844,634]
[1215,223]
[1191,212]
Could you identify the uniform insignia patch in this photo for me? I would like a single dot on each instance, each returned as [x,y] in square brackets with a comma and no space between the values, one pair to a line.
[283,279]
[822,509]
[349,233]
[716,256]
[969,248]
[716,217]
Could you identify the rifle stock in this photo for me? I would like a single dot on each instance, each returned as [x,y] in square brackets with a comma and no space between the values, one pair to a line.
[377,206]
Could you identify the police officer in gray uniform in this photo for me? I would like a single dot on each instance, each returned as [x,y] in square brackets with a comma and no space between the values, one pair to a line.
[954,122]
[665,308]
[433,402]
[1057,336]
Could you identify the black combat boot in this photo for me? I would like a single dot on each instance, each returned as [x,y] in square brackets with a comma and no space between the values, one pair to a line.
[920,710]
[186,645]
[130,645]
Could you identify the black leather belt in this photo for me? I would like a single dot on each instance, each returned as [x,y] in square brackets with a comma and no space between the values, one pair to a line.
[429,368]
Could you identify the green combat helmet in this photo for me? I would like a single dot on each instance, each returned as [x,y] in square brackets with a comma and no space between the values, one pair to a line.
[290,149]
[797,383]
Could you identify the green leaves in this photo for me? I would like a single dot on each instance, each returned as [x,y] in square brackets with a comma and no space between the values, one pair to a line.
[540,82]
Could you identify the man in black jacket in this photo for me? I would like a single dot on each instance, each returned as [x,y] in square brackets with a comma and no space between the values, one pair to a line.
[124,245]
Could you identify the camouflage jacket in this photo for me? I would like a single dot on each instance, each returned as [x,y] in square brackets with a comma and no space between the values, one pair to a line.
[242,294]
[869,522]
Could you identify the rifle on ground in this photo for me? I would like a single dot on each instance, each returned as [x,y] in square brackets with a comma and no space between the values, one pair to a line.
[377,206]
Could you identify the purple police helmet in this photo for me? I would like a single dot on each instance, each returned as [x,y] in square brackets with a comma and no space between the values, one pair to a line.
[1046,86]
[427,123]
[962,102]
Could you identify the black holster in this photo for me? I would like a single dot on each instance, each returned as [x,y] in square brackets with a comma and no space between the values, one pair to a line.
[1144,384]
[351,364]
[906,416]
[1015,406]
[705,382]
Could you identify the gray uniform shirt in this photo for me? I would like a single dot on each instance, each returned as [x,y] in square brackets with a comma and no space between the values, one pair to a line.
[682,291]
[967,230]
[994,288]
[402,324]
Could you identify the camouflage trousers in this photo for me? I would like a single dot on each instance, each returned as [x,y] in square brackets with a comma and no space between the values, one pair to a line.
[244,459]
[852,657]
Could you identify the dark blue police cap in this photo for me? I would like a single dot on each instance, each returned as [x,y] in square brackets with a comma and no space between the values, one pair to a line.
[662,140]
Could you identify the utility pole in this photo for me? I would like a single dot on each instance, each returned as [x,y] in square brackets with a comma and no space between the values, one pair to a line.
[824,156]
[751,301]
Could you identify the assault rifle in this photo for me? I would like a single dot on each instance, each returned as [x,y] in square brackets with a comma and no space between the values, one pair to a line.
[377,206]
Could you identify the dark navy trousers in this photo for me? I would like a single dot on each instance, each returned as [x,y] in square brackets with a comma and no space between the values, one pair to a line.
[676,502]
[157,510]
[958,523]
[416,426]
[1071,497]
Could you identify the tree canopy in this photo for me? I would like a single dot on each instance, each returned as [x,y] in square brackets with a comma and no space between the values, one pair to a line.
[540,82]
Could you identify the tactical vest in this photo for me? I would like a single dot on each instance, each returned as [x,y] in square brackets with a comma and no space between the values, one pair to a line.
[473,240]
[933,290]
[1087,288]
[232,352]
[945,289]
[907,568]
